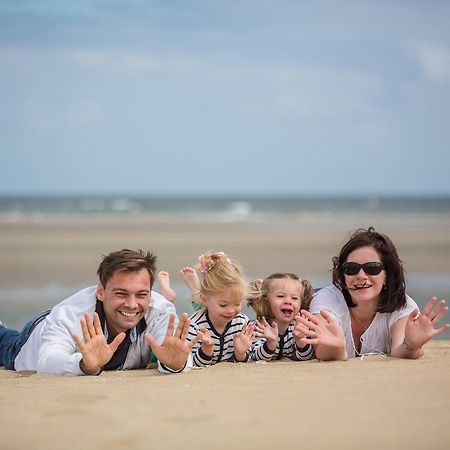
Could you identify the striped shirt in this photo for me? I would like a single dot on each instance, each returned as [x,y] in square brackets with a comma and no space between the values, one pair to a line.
[223,343]
[286,347]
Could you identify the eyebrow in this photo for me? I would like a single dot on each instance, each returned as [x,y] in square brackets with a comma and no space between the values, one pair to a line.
[124,291]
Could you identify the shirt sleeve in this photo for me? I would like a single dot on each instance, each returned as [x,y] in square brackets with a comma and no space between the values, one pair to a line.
[327,299]
[58,353]
[410,306]
[260,351]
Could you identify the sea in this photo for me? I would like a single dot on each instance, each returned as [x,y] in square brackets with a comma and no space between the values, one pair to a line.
[237,207]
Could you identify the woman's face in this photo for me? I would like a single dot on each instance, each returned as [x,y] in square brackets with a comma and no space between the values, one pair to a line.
[364,288]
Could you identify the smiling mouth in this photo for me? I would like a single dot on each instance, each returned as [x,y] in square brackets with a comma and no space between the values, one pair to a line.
[287,311]
[362,286]
[128,314]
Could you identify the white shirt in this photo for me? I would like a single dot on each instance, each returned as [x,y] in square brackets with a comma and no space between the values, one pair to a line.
[51,349]
[377,338]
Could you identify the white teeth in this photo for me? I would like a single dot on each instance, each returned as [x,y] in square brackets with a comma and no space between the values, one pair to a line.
[128,314]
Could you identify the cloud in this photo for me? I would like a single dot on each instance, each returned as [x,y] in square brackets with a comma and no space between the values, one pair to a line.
[433,60]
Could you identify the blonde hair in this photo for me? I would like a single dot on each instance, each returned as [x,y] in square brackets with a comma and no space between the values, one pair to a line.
[260,289]
[218,273]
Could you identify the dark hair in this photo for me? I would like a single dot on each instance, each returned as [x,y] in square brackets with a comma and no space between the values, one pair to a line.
[260,289]
[392,296]
[126,261]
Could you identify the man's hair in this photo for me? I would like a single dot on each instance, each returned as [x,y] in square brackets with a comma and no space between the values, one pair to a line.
[126,261]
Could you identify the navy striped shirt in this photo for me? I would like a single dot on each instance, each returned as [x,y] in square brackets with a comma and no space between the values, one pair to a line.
[286,348]
[223,342]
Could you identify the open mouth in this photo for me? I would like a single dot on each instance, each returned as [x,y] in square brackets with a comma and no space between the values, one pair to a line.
[362,286]
[287,311]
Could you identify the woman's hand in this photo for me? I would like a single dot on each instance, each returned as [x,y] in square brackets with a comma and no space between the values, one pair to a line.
[420,328]
[324,333]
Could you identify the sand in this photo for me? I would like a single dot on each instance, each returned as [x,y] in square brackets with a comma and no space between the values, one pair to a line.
[377,402]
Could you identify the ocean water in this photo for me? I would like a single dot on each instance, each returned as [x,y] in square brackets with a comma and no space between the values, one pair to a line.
[17,305]
[239,205]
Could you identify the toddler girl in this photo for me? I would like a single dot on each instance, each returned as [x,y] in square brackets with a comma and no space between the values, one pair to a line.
[225,333]
[277,301]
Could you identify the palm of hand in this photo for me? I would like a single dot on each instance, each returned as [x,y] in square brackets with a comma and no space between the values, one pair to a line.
[242,343]
[329,333]
[419,331]
[270,333]
[96,352]
[174,351]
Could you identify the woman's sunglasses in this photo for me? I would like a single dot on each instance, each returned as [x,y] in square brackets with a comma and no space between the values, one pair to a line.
[370,268]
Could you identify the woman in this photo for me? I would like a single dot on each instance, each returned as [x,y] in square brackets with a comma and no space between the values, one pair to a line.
[366,310]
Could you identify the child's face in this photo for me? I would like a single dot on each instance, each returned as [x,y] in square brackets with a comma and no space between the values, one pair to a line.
[284,299]
[222,307]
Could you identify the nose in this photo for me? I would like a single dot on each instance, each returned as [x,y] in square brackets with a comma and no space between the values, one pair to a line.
[131,302]
[364,274]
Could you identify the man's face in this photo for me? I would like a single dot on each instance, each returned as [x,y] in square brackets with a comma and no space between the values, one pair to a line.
[126,299]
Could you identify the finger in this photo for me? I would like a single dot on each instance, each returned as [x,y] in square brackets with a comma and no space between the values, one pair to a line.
[84,329]
[117,341]
[275,326]
[97,325]
[413,315]
[194,341]
[90,325]
[325,315]
[184,324]
[441,330]
[436,310]
[152,343]
[170,325]
[429,306]
[438,318]
[79,342]
[311,317]
[264,322]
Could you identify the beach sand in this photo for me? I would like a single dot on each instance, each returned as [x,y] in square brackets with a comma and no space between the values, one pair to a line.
[377,402]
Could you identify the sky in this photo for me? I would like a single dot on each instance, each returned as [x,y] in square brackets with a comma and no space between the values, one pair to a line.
[225,97]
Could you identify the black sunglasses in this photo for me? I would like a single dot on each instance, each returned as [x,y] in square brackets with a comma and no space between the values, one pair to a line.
[370,268]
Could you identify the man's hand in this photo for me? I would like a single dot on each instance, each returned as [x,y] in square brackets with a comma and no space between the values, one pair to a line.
[94,348]
[175,349]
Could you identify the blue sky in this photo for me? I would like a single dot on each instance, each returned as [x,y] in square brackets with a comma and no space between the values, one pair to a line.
[225,97]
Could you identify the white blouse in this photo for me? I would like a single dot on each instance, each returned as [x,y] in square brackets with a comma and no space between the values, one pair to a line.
[377,338]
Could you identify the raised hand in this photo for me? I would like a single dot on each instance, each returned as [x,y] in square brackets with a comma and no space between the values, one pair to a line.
[175,348]
[322,331]
[242,341]
[94,348]
[299,336]
[270,333]
[207,341]
[420,328]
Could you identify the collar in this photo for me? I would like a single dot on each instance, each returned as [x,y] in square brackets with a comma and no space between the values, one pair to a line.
[131,335]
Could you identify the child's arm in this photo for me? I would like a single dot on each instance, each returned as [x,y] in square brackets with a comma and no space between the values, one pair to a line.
[242,342]
[201,352]
[264,349]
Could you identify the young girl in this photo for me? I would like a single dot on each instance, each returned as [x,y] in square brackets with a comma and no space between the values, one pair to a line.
[277,301]
[225,333]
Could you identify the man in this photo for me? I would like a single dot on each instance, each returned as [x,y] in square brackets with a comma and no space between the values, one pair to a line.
[110,326]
